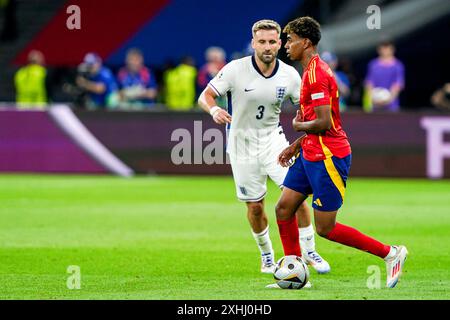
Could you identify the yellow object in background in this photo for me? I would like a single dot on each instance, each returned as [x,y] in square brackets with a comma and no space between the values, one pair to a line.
[30,86]
[180,87]
[367,101]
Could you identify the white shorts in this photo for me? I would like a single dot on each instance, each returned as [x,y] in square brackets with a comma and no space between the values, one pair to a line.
[250,177]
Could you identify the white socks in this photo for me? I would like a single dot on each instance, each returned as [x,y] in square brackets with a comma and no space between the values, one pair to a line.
[263,241]
[307,243]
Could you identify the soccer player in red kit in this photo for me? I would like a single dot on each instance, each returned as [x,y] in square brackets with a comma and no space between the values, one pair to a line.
[323,157]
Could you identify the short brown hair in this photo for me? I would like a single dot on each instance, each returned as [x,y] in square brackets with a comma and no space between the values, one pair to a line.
[305,27]
[266,24]
[135,51]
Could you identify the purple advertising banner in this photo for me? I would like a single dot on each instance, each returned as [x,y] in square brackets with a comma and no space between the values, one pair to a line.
[31,142]
[383,145]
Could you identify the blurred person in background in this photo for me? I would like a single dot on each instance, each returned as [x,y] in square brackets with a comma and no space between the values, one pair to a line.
[441,98]
[342,80]
[215,60]
[98,82]
[31,82]
[384,80]
[180,85]
[136,82]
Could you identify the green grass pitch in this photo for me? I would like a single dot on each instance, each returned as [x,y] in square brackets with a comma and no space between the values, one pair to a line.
[188,238]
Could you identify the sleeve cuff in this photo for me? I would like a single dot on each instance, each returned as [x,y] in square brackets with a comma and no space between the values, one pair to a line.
[214,89]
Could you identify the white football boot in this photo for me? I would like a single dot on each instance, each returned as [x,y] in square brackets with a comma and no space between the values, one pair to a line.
[314,259]
[394,266]
[268,263]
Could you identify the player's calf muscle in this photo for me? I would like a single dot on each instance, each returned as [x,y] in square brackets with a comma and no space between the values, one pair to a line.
[324,222]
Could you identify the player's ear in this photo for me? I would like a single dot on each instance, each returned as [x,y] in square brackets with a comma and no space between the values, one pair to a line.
[253,43]
[307,43]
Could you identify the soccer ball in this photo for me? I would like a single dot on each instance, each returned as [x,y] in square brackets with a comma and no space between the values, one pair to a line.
[380,95]
[291,272]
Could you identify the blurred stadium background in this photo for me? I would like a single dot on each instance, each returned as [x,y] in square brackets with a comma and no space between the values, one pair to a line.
[57,153]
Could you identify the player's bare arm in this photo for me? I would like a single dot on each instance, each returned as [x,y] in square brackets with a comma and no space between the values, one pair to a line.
[395,91]
[207,101]
[318,125]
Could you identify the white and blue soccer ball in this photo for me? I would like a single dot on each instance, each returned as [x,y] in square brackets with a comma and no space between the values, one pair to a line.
[380,95]
[291,272]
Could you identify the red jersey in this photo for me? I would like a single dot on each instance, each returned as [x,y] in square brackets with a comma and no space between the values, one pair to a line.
[319,88]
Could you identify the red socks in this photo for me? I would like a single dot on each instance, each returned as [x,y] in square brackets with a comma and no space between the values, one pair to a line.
[353,238]
[341,233]
[289,236]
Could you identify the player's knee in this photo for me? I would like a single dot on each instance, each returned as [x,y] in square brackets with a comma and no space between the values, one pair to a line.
[281,211]
[255,209]
[323,230]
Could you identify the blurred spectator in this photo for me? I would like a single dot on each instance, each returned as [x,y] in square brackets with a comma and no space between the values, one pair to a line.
[30,82]
[215,60]
[137,83]
[97,81]
[179,84]
[384,80]
[9,30]
[341,78]
[441,98]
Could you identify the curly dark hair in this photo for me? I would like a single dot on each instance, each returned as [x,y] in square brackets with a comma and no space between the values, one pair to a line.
[305,27]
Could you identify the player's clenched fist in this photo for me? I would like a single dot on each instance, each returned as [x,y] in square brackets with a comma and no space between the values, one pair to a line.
[286,157]
[220,116]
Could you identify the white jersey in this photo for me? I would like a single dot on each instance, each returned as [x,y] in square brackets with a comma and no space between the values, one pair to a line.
[254,100]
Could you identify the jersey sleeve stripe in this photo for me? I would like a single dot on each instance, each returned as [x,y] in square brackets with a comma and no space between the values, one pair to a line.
[214,88]
[313,71]
[229,107]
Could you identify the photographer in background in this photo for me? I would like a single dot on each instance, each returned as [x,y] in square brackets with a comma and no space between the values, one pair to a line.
[97,82]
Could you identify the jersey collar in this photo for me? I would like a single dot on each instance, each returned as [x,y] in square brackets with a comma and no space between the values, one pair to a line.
[277,64]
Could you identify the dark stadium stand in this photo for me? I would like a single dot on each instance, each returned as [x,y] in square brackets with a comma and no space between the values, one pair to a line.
[31,17]
[167,30]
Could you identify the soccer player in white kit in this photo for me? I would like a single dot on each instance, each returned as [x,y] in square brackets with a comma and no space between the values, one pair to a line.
[255,87]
